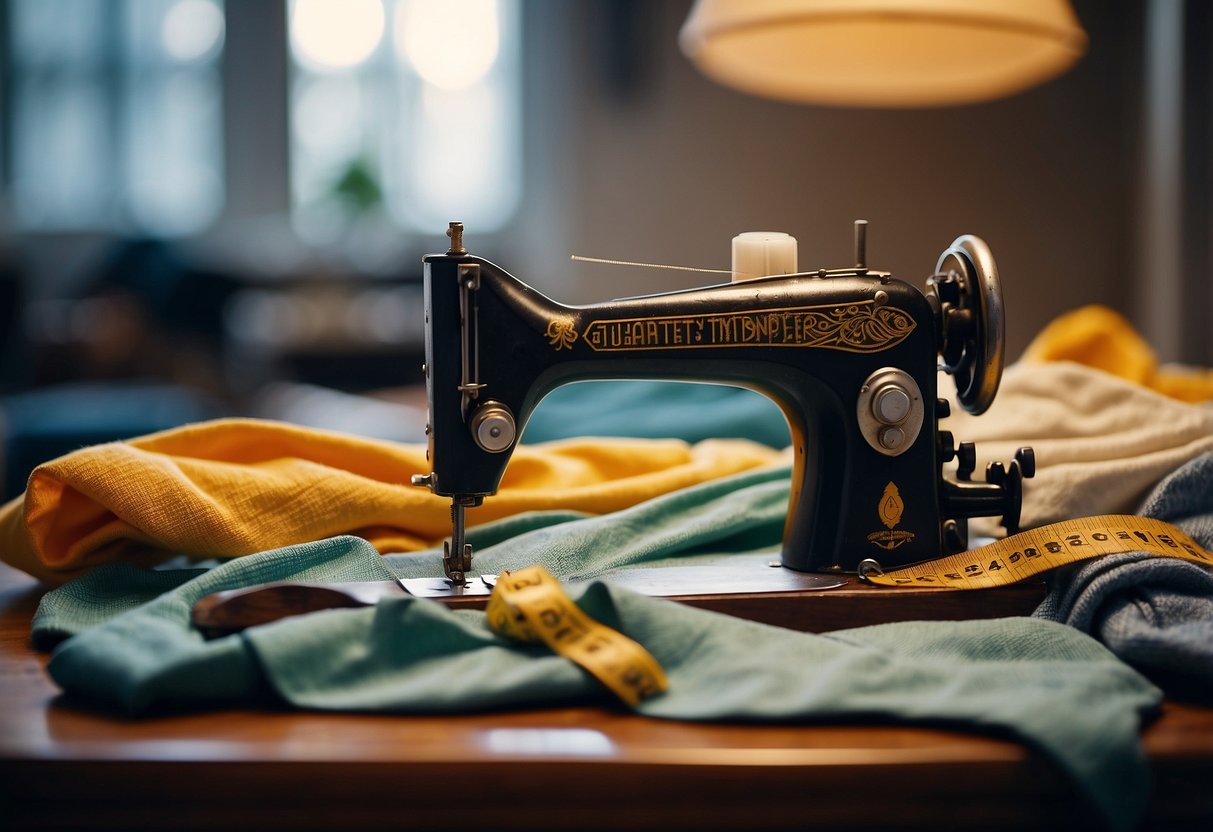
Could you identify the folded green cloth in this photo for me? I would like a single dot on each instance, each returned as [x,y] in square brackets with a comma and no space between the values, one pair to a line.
[1047,684]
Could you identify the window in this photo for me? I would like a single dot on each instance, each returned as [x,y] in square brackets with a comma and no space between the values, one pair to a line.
[407,111]
[405,108]
[116,117]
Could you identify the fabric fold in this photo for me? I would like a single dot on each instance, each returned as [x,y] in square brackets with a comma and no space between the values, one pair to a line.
[234,487]
[1048,685]
[1101,443]
[1103,339]
[1154,613]
[1045,684]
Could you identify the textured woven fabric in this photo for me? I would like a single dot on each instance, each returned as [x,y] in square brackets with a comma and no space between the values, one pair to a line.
[1047,684]
[741,514]
[732,515]
[1101,443]
[1154,613]
[234,487]
[134,652]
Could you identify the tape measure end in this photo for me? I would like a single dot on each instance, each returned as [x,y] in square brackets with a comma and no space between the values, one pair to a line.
[869,568]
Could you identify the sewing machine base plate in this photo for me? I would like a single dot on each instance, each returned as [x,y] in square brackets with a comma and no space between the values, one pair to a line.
[731,576]
[749,589]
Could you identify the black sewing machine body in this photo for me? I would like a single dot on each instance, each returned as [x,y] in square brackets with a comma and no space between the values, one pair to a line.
[849,355]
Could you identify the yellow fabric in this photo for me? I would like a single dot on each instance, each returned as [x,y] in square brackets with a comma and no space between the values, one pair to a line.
[237,486]
[1101,338]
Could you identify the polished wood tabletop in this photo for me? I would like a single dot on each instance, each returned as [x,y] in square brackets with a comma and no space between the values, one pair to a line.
[65,765]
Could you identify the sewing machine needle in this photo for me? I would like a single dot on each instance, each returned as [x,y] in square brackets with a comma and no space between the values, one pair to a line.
[457,554]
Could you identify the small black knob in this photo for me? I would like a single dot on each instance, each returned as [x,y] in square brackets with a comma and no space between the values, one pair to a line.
[966,453]
[996,473]
[1026,458]
[947,446]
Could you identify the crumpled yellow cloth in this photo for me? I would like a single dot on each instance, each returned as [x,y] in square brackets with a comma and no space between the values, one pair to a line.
[237,486]
[1098,337]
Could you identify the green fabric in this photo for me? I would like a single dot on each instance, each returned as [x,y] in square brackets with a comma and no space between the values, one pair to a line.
[1062,693]
[1045,683]
[744,513]
[147,653]
[657,409]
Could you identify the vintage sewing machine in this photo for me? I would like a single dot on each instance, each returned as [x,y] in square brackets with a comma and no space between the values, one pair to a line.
[850,355]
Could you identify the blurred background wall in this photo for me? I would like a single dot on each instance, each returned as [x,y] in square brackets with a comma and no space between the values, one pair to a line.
[218,197]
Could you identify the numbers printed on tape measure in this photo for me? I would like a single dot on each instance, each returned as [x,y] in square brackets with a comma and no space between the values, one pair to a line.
[530,605]
[1035,551]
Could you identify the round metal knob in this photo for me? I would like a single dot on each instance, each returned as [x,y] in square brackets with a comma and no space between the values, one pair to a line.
[891,437]
[493,427]
[889,411]
[891,404]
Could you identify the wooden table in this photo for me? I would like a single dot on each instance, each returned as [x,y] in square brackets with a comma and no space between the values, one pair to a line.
[63,765]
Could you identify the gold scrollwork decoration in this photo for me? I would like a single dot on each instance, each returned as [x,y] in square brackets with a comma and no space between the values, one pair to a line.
[890,509]
[561,334]
[860,327]
[891,506]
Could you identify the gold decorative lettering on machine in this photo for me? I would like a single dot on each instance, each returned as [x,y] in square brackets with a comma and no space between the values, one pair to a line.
[854,327]
[890,510]
[561,334]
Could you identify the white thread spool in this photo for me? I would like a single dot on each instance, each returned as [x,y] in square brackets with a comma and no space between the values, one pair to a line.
[763,253]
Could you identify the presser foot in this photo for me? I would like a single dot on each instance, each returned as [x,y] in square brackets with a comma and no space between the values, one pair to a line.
[456,567]
[456,552]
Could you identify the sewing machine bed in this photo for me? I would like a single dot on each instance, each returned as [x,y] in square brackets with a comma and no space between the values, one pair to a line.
[855,604]
[63,765]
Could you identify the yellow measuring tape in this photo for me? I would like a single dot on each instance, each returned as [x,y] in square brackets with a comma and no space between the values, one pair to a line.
[530,605]
[1029,553]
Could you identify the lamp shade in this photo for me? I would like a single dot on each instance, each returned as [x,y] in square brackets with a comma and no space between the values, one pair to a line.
[883,53]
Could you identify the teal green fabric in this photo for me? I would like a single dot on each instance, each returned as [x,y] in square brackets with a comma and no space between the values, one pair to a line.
[1046,684]
[658,410]
[744,513]
[136,655]
[1062,693]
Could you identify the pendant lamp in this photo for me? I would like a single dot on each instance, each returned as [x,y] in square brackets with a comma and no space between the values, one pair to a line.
[883,53]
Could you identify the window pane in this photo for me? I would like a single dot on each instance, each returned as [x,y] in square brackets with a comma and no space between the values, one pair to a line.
[63,33]
[171,143]
[459,169]
[327,122]
[414,113]
[173,31]
[117,116]
[62,153]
